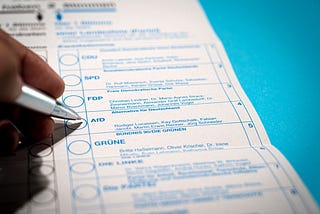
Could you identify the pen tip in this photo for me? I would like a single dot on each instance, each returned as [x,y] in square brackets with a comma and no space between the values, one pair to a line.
[64,112]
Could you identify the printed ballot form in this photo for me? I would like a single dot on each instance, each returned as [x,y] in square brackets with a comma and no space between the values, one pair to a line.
[166,126]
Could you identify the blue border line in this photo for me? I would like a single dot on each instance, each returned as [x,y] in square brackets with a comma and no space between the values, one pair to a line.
[90,141]
[217,75]
[66,144]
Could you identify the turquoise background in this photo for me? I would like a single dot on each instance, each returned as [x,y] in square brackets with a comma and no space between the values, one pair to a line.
[274,48]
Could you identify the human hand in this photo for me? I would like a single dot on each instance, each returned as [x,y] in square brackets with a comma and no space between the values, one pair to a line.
[20,65]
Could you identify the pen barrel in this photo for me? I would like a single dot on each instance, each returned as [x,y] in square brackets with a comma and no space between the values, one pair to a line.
[36,100]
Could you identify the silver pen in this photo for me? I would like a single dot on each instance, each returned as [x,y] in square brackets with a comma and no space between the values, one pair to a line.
[36,100]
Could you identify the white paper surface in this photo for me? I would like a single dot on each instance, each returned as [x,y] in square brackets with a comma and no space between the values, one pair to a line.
[166,125]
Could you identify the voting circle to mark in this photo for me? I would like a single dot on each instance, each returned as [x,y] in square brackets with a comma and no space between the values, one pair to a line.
[73,101]
[69,59]
[44,196]
[71,80]
[82,167]
[40,150]
[41,170]
[85,192]
[79,147]
[70,123]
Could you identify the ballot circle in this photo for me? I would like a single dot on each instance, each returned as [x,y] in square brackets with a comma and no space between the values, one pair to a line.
[79,147]
[40,150]
[71,80]
[44,196]
[68,59]
[82,167]
[85,192]
[41,170]
[83,124]
[73,101]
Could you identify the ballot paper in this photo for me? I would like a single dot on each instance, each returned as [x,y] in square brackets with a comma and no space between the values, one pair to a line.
[166,126]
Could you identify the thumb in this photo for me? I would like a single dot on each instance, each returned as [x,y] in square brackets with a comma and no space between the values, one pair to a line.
[10,78]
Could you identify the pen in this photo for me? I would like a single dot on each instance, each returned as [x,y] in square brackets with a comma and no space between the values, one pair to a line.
[36,100]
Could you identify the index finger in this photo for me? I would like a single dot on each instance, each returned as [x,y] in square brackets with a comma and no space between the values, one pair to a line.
[34,71]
